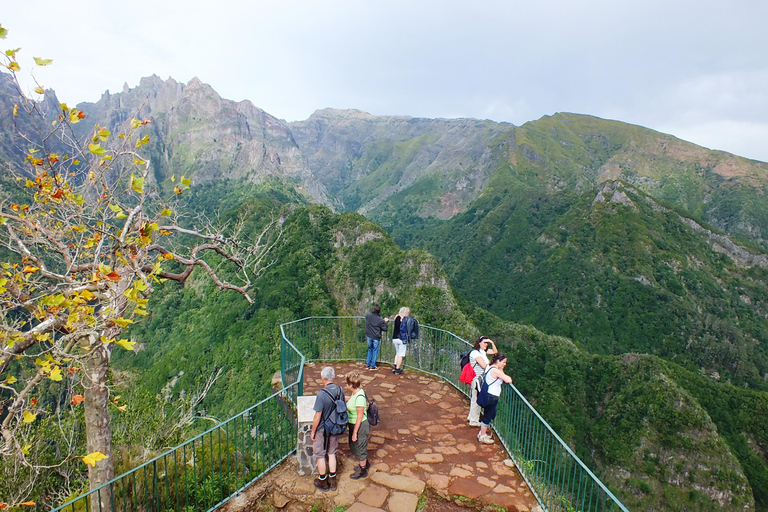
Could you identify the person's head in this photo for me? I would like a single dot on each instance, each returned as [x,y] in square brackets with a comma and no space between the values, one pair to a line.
[499,360]
[353,380]
[376,309]
[404,311]
[481,343]
[328,374]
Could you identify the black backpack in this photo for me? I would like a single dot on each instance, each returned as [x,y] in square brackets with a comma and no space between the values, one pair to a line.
[337,421]
[372,412]
[463,360]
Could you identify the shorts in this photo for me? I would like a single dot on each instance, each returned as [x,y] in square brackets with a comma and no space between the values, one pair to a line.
[318,445]
[359,448]
[399,347]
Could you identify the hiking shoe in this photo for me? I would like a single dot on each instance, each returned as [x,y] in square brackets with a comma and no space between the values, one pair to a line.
[322,484]
[360,472]
[399,371]
[486,439]
[332,483]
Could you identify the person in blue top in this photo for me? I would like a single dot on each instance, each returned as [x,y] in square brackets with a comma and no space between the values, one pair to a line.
[374,327]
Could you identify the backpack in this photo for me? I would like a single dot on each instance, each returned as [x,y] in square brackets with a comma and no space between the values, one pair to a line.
[337,421]
[372,412]
[463,360]
[409,329]
[483,395]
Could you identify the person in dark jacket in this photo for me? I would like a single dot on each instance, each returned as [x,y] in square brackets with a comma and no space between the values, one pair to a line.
[374,327]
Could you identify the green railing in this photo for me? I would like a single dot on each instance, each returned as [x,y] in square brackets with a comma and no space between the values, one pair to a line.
[205,471]
[560,481]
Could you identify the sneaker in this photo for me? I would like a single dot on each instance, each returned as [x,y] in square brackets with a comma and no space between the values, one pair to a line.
[474,423]
[374,368]
[486,439]
[399,371]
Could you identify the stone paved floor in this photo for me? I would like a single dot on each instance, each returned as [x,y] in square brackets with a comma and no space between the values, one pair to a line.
[422,440]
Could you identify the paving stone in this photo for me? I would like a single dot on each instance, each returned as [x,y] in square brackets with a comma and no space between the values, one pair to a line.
[279,500]
[381,453]
[429,458]
[436,429]
[486,482]
[427,468]
[376,440]
[466,448]
[374,495]
[411,399]
[508,501]
[404,431]
[399,482]
[460,473]
[481,464]
[362,507]
[438,482]
[503,489]
[446,450]
[403,502]
[466,487]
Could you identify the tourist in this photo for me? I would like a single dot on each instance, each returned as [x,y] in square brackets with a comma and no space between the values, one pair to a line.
[408,333]
[359,428]
[495,376]
[400,346]
[374,327]
[478,358]
[324,444]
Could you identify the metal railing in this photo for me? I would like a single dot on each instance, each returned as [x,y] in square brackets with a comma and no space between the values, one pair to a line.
[208,469]
[205,471]
[559,480]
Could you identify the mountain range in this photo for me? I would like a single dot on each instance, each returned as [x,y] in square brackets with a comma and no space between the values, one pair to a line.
[644,259]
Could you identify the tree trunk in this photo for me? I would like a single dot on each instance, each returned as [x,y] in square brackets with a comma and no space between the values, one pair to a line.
[97,429]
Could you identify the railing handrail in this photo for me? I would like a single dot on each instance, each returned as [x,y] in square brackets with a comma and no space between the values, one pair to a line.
[298,385]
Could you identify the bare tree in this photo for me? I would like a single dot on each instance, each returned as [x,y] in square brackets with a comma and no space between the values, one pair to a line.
[87,238]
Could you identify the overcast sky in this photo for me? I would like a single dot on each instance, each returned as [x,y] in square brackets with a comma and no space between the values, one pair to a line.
[696,69]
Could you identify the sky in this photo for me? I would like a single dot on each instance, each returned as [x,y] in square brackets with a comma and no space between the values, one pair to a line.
[696,69]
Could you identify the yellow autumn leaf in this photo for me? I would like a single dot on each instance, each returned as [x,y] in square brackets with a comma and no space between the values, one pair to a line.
[137,184]
[127,345]
[15,110]
[135,123]
[56,374]
[166,212]
[123,322]
[122,408]
[28,417]
[10,380]
[25,449]
[92,458]
[39,90]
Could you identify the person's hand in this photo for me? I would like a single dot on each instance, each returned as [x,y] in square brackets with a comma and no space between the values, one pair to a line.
[354,437]
[312,436]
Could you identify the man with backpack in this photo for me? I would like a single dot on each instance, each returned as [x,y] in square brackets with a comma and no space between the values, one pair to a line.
[328,425]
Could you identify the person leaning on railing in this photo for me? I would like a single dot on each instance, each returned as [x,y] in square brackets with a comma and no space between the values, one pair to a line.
[494,377]
[478,358]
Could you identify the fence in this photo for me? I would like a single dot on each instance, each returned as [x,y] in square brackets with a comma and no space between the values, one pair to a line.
[205,471]
[560,481]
